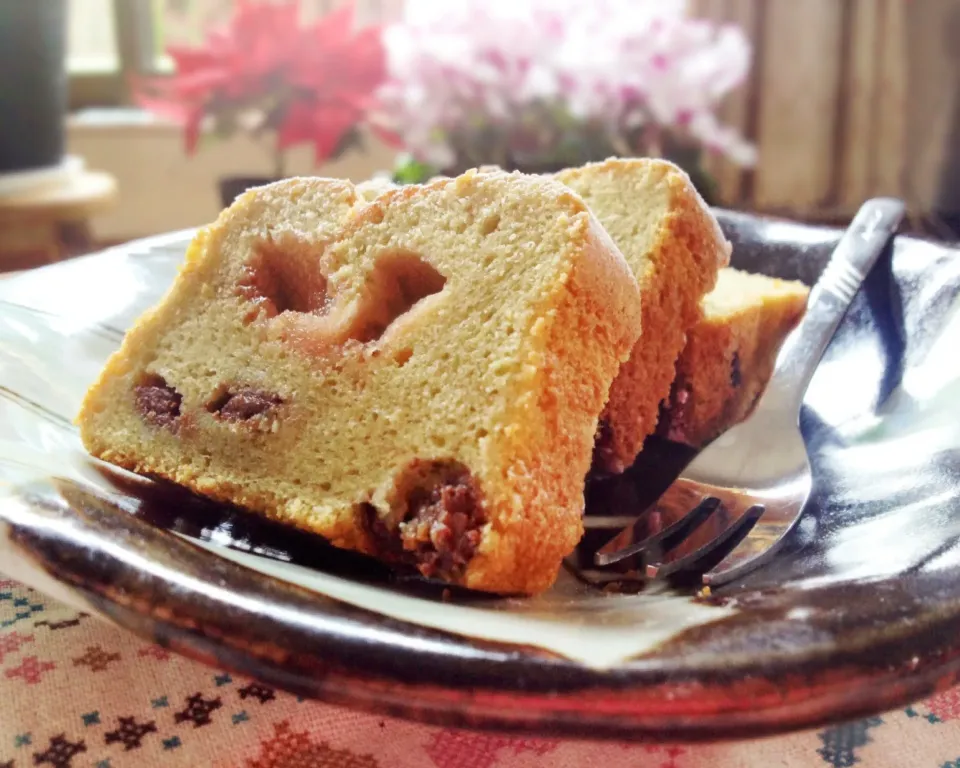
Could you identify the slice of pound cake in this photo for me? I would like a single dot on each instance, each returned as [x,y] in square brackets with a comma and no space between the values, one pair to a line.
[418,378]
[730,354]
[675,247]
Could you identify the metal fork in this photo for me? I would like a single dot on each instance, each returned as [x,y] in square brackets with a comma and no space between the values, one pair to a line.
[756,477]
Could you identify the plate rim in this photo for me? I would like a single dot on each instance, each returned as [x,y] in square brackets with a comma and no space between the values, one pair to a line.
[623,703]
[926,676]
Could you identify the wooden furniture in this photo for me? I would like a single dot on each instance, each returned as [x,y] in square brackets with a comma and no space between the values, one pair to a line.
[51,222]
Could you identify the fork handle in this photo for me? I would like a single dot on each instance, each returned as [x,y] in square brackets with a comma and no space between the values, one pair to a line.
[854,257]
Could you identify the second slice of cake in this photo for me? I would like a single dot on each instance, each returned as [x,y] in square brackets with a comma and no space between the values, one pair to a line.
[674,246]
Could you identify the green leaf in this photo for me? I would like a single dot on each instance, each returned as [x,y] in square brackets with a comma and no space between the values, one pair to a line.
[409,170]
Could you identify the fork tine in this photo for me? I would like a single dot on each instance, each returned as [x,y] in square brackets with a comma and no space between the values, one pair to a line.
[758,546]
[723,525]
[675,512]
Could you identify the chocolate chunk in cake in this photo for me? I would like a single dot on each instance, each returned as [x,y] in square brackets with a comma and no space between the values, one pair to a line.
[157,401]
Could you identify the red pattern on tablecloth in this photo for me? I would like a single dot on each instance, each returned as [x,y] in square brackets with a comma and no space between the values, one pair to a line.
[13,642]
[78,693]
[463,749]
[31,670]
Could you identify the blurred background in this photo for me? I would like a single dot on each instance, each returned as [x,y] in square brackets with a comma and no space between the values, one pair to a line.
[126,118]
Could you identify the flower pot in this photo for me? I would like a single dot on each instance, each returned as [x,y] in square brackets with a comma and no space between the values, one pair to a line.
[233,186]
[33,87]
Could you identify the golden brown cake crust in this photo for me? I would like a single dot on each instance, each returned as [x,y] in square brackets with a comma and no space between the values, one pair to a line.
[676,263]
[465,425]
[574,368]
[730,355]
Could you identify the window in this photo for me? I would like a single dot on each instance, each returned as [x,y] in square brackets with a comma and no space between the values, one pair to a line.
[105,44]
[92,59]
[92,37]
[109,40]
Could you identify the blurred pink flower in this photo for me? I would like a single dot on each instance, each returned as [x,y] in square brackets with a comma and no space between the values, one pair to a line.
[463,68]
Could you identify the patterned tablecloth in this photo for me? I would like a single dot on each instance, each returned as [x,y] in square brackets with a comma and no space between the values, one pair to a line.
[75,692]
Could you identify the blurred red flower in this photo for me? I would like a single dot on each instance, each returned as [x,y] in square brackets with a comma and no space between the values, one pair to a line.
[264,70]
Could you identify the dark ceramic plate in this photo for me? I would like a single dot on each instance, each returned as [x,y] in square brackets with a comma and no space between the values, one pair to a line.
[860,613]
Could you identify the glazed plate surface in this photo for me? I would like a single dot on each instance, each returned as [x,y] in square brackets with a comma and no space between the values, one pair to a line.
[858,614]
